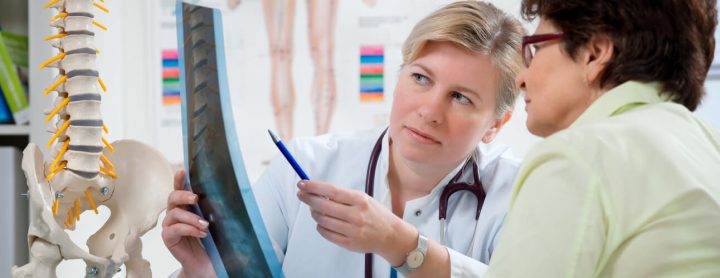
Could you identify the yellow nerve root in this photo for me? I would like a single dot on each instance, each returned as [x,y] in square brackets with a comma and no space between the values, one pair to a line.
[101,7]
[54,85]
[57,134]
[102,85]
[60,155]
[55,206]
[53,59]
[50,3]
[105,128]
[71,219]
[110,147]
[107,162]
[60,15]
[108,172]
[56,36]
[57,170]
[99,25]
[90,199]
[57,109]
[77,210]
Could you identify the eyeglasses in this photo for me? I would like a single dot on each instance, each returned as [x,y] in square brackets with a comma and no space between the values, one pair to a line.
[529,52]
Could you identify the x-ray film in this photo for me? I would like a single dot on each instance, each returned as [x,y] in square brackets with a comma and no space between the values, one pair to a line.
[238,244]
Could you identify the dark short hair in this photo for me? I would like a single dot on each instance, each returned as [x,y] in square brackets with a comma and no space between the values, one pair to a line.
[670,41]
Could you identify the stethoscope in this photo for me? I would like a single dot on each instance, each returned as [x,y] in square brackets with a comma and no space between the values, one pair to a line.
[454,185]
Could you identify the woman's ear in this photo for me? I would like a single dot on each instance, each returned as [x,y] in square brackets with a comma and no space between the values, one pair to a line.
[599,51]
[497,124]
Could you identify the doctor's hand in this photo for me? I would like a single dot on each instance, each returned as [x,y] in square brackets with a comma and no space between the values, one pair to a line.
[355,221]
[181,230]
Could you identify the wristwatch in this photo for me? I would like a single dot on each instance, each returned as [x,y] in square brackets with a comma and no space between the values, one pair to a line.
[415,258]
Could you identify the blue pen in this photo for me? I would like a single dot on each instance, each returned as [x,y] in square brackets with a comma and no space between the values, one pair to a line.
[288,156]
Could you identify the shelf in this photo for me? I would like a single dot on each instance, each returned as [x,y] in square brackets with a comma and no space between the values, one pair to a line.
[11,129]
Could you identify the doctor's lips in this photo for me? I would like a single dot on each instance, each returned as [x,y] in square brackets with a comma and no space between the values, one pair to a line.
[421,135]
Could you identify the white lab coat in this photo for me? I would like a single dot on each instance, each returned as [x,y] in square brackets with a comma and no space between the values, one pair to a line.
[342,159]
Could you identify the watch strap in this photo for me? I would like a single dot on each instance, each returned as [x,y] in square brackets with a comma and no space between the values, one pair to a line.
[422,247]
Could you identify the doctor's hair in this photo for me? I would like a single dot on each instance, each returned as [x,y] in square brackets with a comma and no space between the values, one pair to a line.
[477,27]
[667,41]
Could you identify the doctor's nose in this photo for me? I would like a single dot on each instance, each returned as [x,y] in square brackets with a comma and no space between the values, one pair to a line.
[432,110]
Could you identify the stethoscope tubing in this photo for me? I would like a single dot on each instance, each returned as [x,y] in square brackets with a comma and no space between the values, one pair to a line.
[451,188]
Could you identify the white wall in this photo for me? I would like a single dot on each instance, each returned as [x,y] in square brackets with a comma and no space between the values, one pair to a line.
[709,110]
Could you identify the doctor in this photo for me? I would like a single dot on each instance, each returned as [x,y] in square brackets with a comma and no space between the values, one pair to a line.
[383,192]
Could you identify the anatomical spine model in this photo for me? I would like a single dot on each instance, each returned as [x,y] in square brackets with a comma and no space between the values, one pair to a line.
[86,171]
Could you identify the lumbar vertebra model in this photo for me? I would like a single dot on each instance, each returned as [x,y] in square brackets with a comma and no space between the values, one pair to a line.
[85,171]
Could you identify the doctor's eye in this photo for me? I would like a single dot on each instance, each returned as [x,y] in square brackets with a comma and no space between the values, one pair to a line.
[421,79]
[462,99]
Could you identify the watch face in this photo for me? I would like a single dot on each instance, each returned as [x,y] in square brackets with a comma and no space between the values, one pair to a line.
[415,259]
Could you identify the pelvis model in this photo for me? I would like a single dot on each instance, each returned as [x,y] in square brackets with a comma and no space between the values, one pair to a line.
[85,171]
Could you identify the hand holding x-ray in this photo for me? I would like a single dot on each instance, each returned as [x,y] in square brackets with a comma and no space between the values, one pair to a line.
[181,230]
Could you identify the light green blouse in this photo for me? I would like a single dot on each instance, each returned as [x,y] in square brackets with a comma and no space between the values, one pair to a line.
[631,189]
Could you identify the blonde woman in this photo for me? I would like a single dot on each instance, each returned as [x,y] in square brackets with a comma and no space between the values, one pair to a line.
[374,206]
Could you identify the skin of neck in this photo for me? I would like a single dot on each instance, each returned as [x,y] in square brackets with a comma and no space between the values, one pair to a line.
[410,180]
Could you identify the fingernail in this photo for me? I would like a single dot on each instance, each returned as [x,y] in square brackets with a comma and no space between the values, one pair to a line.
[301,184]
[203,234]
[203,222]
[191,198]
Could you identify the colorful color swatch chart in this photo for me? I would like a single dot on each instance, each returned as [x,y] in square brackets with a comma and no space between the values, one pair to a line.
[170,74]
[372,59]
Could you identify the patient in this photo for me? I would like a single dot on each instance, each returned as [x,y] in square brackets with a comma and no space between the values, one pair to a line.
[627,180]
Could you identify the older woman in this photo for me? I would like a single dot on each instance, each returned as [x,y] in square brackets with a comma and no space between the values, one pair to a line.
[382,192]
[627,180]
